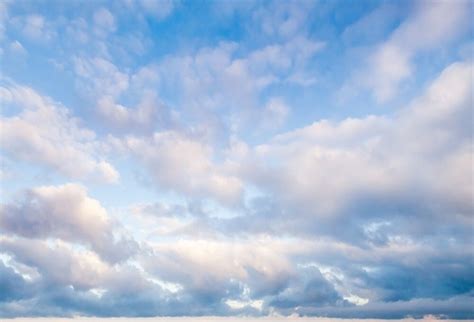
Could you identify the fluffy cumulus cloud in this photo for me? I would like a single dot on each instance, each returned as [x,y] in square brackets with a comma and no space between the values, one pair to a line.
[245,188]
[64,212]
[328,166]
[185,165]
[35,27]
[43,132]
[219,79]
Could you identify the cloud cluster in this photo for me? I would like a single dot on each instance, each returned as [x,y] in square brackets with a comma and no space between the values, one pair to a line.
[333,169]
[185,165]
[41,131]
[387,207]
[65,212]
[217,78]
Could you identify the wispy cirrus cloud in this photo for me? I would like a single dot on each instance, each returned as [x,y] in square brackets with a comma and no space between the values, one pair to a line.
[429,28]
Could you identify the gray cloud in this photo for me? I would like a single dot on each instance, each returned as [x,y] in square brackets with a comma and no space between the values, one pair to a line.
[65,212]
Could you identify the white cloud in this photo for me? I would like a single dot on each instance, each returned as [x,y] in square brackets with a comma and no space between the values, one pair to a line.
[43,132]
[104,22]
[384,16]
[219,81]
[17,48]
[55,265]
[412,156]
[34,27]
[58,262]
[283,19]
[149,113]
[428,28]
[159,9]
[275,113]
[185,165]
[77,30]
[64,212]
[100,77]
[320,168]
[262,264]
[3,18]
[205,86]
[105,85]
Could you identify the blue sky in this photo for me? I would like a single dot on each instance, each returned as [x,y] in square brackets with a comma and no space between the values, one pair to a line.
[236,158]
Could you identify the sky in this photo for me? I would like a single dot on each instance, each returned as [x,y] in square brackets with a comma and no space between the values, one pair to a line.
[236,159]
